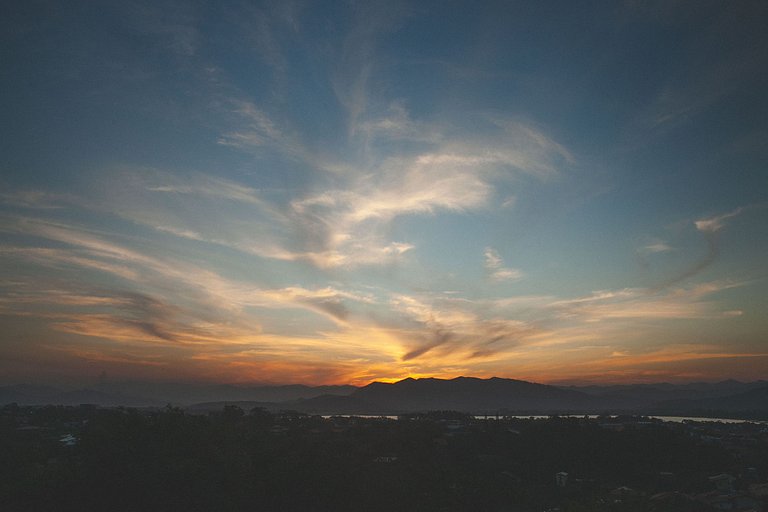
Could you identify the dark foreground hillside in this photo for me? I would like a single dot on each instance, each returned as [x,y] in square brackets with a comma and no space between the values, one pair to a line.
[91,459]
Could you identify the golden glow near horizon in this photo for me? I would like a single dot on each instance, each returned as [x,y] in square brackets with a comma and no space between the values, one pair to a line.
[400,194]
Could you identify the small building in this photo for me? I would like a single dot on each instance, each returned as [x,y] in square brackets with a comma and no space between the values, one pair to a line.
[750,475]
[385,459]
[723,482]
[734,501]
[561,479]
[666,480]
[68,440]
[673,500]
[759,490]
[623,492]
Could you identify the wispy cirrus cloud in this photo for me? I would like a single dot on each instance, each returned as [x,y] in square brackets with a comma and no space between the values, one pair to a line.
[696,86]
[631,304]
[683,362]
[61,257]
[36,199]
[495,267]
[656,247]
[344,219]
[716,223]
[348,224]
[357,62]
[207,288]
[258,131]
[199,314]
[397,124]
[189,310]
[195,184]
[449,331]
[710,228]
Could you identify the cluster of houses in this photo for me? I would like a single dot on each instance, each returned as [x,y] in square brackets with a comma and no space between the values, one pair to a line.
[746,491]
[723,495]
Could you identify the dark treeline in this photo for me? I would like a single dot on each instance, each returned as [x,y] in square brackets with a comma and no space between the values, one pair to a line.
[87,458]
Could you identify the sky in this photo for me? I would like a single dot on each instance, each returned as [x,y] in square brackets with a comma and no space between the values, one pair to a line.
[338,192]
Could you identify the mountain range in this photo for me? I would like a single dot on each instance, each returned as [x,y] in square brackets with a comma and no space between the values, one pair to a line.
[467,394]
[152,394]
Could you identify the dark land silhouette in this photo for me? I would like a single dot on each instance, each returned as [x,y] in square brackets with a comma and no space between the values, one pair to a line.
[87,458]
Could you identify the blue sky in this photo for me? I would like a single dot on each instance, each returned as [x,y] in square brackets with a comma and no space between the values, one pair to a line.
[341,192]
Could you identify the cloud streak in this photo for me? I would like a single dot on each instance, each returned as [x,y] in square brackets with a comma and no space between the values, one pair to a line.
[202,315]
[710,228]
[348,225]
[495,266]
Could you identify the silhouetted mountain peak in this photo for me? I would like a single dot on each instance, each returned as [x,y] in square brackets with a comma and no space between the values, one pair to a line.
[463,394]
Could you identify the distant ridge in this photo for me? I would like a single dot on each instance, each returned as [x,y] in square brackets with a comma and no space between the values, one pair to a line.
[468,394]
[751,401]
[148,394]
[634,396]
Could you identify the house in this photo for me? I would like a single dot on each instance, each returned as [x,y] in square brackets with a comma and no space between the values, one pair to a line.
[759,490]
[735,501]
[385,459]
[723,482]
[68,440]
[623,492]
[673,500]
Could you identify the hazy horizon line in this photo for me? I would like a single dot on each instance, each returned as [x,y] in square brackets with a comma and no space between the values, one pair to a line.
[95,383]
